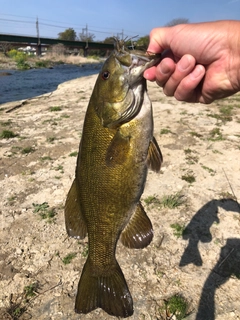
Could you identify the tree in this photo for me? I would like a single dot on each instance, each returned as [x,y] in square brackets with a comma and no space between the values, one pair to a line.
[176,21]
[68,34]
[86,36]
[5,46]
[58,49]
[131,43]
[143,42]
[109,40]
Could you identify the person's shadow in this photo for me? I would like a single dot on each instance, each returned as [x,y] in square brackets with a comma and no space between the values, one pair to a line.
[229,261]
[228,265]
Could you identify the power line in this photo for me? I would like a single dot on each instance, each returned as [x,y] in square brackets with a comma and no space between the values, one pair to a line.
[79,27]
[17,20]
[52,25]
[106,32]
[13,15]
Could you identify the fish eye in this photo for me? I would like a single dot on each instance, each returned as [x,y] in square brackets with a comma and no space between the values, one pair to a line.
[105,75]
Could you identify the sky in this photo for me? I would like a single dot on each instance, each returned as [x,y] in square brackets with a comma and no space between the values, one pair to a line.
[106,18]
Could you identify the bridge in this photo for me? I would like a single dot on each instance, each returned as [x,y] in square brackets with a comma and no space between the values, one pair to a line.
[38,42]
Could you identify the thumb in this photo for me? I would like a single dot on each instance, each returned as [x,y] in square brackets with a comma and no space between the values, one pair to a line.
[159,40]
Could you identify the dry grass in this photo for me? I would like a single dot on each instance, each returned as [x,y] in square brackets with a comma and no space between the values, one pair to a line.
[6,63]
[67,59]
[3,58]
[9,63]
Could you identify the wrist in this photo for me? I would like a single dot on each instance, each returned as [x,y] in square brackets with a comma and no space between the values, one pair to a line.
[234,51]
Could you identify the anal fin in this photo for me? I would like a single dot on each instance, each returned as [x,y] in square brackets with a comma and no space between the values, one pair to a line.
[74,220]
[155,158]
[139,232]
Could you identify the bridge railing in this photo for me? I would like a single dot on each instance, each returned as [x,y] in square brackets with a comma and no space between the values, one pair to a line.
[75,44]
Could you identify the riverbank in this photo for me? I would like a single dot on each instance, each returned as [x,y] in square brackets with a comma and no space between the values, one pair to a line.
[191,203]
[50,60]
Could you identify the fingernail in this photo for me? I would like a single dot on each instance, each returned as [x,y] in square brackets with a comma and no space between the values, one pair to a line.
[184,63]
[146,75]
[198,71]
[164,68]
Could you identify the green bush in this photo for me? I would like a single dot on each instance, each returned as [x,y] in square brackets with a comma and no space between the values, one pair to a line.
[20,58]
[12,53]
[41,64]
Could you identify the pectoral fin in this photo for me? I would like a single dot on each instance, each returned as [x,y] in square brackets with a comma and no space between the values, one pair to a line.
[74,220]
[117,150]
[155,158]
[138,233]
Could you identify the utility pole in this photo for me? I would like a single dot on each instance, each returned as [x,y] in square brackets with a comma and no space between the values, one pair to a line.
[86,37]
[38,51]
[120,34]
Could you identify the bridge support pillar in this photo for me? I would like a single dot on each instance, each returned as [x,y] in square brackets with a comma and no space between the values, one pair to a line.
[39,50]
[85,52]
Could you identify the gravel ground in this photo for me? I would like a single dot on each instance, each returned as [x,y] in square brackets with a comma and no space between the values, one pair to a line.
[192,203]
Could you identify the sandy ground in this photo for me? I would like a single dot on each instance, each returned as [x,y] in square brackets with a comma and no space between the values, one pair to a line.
[195,252]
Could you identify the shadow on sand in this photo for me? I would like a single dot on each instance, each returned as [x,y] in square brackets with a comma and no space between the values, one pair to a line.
[229,259]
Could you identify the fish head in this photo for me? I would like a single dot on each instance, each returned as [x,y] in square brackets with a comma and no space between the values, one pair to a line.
[120,86]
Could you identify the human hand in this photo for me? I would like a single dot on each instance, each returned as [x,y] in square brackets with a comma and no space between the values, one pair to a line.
[200,62]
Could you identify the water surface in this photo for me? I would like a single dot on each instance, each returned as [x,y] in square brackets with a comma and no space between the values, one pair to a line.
[30,83]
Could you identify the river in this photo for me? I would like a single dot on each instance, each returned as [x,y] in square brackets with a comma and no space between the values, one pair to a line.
[26,84]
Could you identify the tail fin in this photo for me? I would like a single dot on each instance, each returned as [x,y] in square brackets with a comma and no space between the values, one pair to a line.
[109,292]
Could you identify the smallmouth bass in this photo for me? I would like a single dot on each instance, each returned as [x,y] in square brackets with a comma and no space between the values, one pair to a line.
[116,149]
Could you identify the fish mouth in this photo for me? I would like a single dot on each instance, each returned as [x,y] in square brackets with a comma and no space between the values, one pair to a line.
[145,60]
[140,63]
[135,62]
